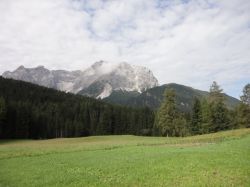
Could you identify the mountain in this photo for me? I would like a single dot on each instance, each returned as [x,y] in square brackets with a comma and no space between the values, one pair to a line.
[122,76]
[117,83]
[98,81]
[57,79]
[153,97]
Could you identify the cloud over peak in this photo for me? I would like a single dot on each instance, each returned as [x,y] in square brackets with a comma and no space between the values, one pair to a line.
[189,42]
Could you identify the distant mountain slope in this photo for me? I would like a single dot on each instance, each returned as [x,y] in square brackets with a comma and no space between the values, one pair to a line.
[153,97]
[122,97]
[97,81]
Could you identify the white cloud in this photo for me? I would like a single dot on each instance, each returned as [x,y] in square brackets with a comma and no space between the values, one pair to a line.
[189,42]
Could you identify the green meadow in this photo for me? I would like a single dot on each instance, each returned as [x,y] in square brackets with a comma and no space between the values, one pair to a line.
[219,159]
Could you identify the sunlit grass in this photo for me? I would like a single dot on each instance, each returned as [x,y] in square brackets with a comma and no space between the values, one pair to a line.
[219,159]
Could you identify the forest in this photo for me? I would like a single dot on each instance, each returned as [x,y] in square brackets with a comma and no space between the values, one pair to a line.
[34,112]
[209,114]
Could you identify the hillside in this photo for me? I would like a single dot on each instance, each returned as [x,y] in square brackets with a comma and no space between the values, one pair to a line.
[33,111]
[153,97]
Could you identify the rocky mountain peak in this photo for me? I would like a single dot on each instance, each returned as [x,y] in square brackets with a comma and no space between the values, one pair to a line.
[20,67]
[98,64]
[99,80]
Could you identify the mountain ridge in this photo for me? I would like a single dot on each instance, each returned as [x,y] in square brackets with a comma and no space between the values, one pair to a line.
[108,76]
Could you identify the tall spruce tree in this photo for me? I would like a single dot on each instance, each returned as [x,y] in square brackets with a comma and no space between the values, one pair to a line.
[243,111]
[167,113]
[218,118]
[196,121]
[215,92]
[245,98]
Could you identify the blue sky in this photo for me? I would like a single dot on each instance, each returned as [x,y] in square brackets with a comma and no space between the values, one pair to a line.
[188,42]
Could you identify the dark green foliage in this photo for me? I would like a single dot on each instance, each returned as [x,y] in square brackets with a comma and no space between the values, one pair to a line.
[153,97]
[167,113]
[32,111]
[169,121]
[218,112]
[243,116]
[208,115]
[243,110]
[219,119]
[121,97]
[196,122]
[2,114]
[2,109]
[205,108]
[245,98]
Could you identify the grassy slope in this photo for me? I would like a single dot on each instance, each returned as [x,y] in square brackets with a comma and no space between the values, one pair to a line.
[221,159]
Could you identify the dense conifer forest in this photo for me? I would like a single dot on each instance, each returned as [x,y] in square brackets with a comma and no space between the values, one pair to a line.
[31,111]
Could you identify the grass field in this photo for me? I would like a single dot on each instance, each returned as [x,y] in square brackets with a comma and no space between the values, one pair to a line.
[220,159]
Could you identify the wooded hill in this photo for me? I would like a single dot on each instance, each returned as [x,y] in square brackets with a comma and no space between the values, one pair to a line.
[153,97]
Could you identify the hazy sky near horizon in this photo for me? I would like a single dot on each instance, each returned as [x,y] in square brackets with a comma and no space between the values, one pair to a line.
[191,42]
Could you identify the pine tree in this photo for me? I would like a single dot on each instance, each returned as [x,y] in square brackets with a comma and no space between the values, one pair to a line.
[245,98]
[218,118]
[167,113]
[243,111]
[196,117]
[215,92]
[243,116]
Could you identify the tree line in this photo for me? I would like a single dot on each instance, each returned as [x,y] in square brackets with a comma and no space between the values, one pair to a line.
[31,111]
[208,114]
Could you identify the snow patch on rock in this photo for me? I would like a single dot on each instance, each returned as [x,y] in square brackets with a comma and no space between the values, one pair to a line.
[107,90]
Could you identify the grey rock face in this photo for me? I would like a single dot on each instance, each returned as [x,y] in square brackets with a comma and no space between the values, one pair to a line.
[98,81]
[59,79]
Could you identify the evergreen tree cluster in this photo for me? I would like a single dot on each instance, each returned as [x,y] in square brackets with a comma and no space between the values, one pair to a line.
[31,111]
[208,115]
